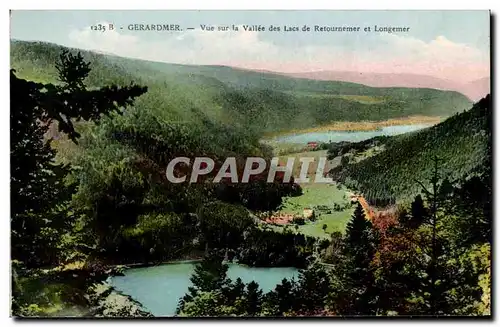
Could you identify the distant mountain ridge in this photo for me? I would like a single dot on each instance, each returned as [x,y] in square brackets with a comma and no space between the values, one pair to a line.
[256,101]
[474,90]
[477,89]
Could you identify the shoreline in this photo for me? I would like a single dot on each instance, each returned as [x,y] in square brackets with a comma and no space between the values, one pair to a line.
[105,301]
[359,126]
[152,264]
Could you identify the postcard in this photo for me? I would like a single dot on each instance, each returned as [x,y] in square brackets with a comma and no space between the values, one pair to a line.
[250,164]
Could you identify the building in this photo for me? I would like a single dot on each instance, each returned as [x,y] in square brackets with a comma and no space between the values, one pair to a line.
[312,145]
[280,219]
[308,213]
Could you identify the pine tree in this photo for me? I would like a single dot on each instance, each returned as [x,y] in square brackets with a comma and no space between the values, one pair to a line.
[426,274]
[209,275]
[253,299]
[237,289]
[360,237]
[358,275]
[281,300]
[37,188]
[418,213]
[314,287]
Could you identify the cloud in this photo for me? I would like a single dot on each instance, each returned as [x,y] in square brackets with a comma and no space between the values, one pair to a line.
[439,57]
[107,41]
[440,50]
[392,53]
[189,47]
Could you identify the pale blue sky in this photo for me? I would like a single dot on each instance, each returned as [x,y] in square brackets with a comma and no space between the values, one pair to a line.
[458,36]
[469,27]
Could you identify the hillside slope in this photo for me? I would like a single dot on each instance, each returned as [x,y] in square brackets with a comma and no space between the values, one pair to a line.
[460,143]
[258,102]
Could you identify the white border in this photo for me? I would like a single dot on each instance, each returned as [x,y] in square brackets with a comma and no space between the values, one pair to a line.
[256,4]
[188,4]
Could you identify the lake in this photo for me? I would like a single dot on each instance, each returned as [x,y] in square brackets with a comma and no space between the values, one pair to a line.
[335,136]
[159,288]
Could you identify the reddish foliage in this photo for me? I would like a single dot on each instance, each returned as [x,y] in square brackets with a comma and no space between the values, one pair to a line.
[382,220]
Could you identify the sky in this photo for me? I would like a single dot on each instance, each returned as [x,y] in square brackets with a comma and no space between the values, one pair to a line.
[452,45]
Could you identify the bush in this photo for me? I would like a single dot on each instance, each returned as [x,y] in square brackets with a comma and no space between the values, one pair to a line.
[298,221]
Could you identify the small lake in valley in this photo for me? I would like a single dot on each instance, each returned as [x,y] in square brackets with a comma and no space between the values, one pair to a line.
[159,288]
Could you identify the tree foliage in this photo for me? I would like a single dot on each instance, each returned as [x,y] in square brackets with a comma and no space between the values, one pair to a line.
[37,186]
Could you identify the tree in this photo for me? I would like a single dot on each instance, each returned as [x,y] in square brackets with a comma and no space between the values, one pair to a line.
[38,193]
[450,282]
[314,287]
[281,300]
[308,295]
[421,270]
[357,295]
[205,304]
[334,252]
[223,224]
[237,290]
[213,293]
[253,299]
[344,161]
[209,275]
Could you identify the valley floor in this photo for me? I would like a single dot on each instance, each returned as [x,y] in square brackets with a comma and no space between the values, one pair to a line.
[320,197]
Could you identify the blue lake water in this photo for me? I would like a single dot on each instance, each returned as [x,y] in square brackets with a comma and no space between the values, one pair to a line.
[160,288]
[334,136]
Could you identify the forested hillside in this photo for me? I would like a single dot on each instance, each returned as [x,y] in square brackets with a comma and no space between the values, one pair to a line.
[260,102]
[460,144]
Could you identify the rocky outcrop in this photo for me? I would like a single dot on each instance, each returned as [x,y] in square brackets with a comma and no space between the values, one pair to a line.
[106,302]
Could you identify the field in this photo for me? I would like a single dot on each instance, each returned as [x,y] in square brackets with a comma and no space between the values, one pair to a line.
[322,195]
[317,194]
